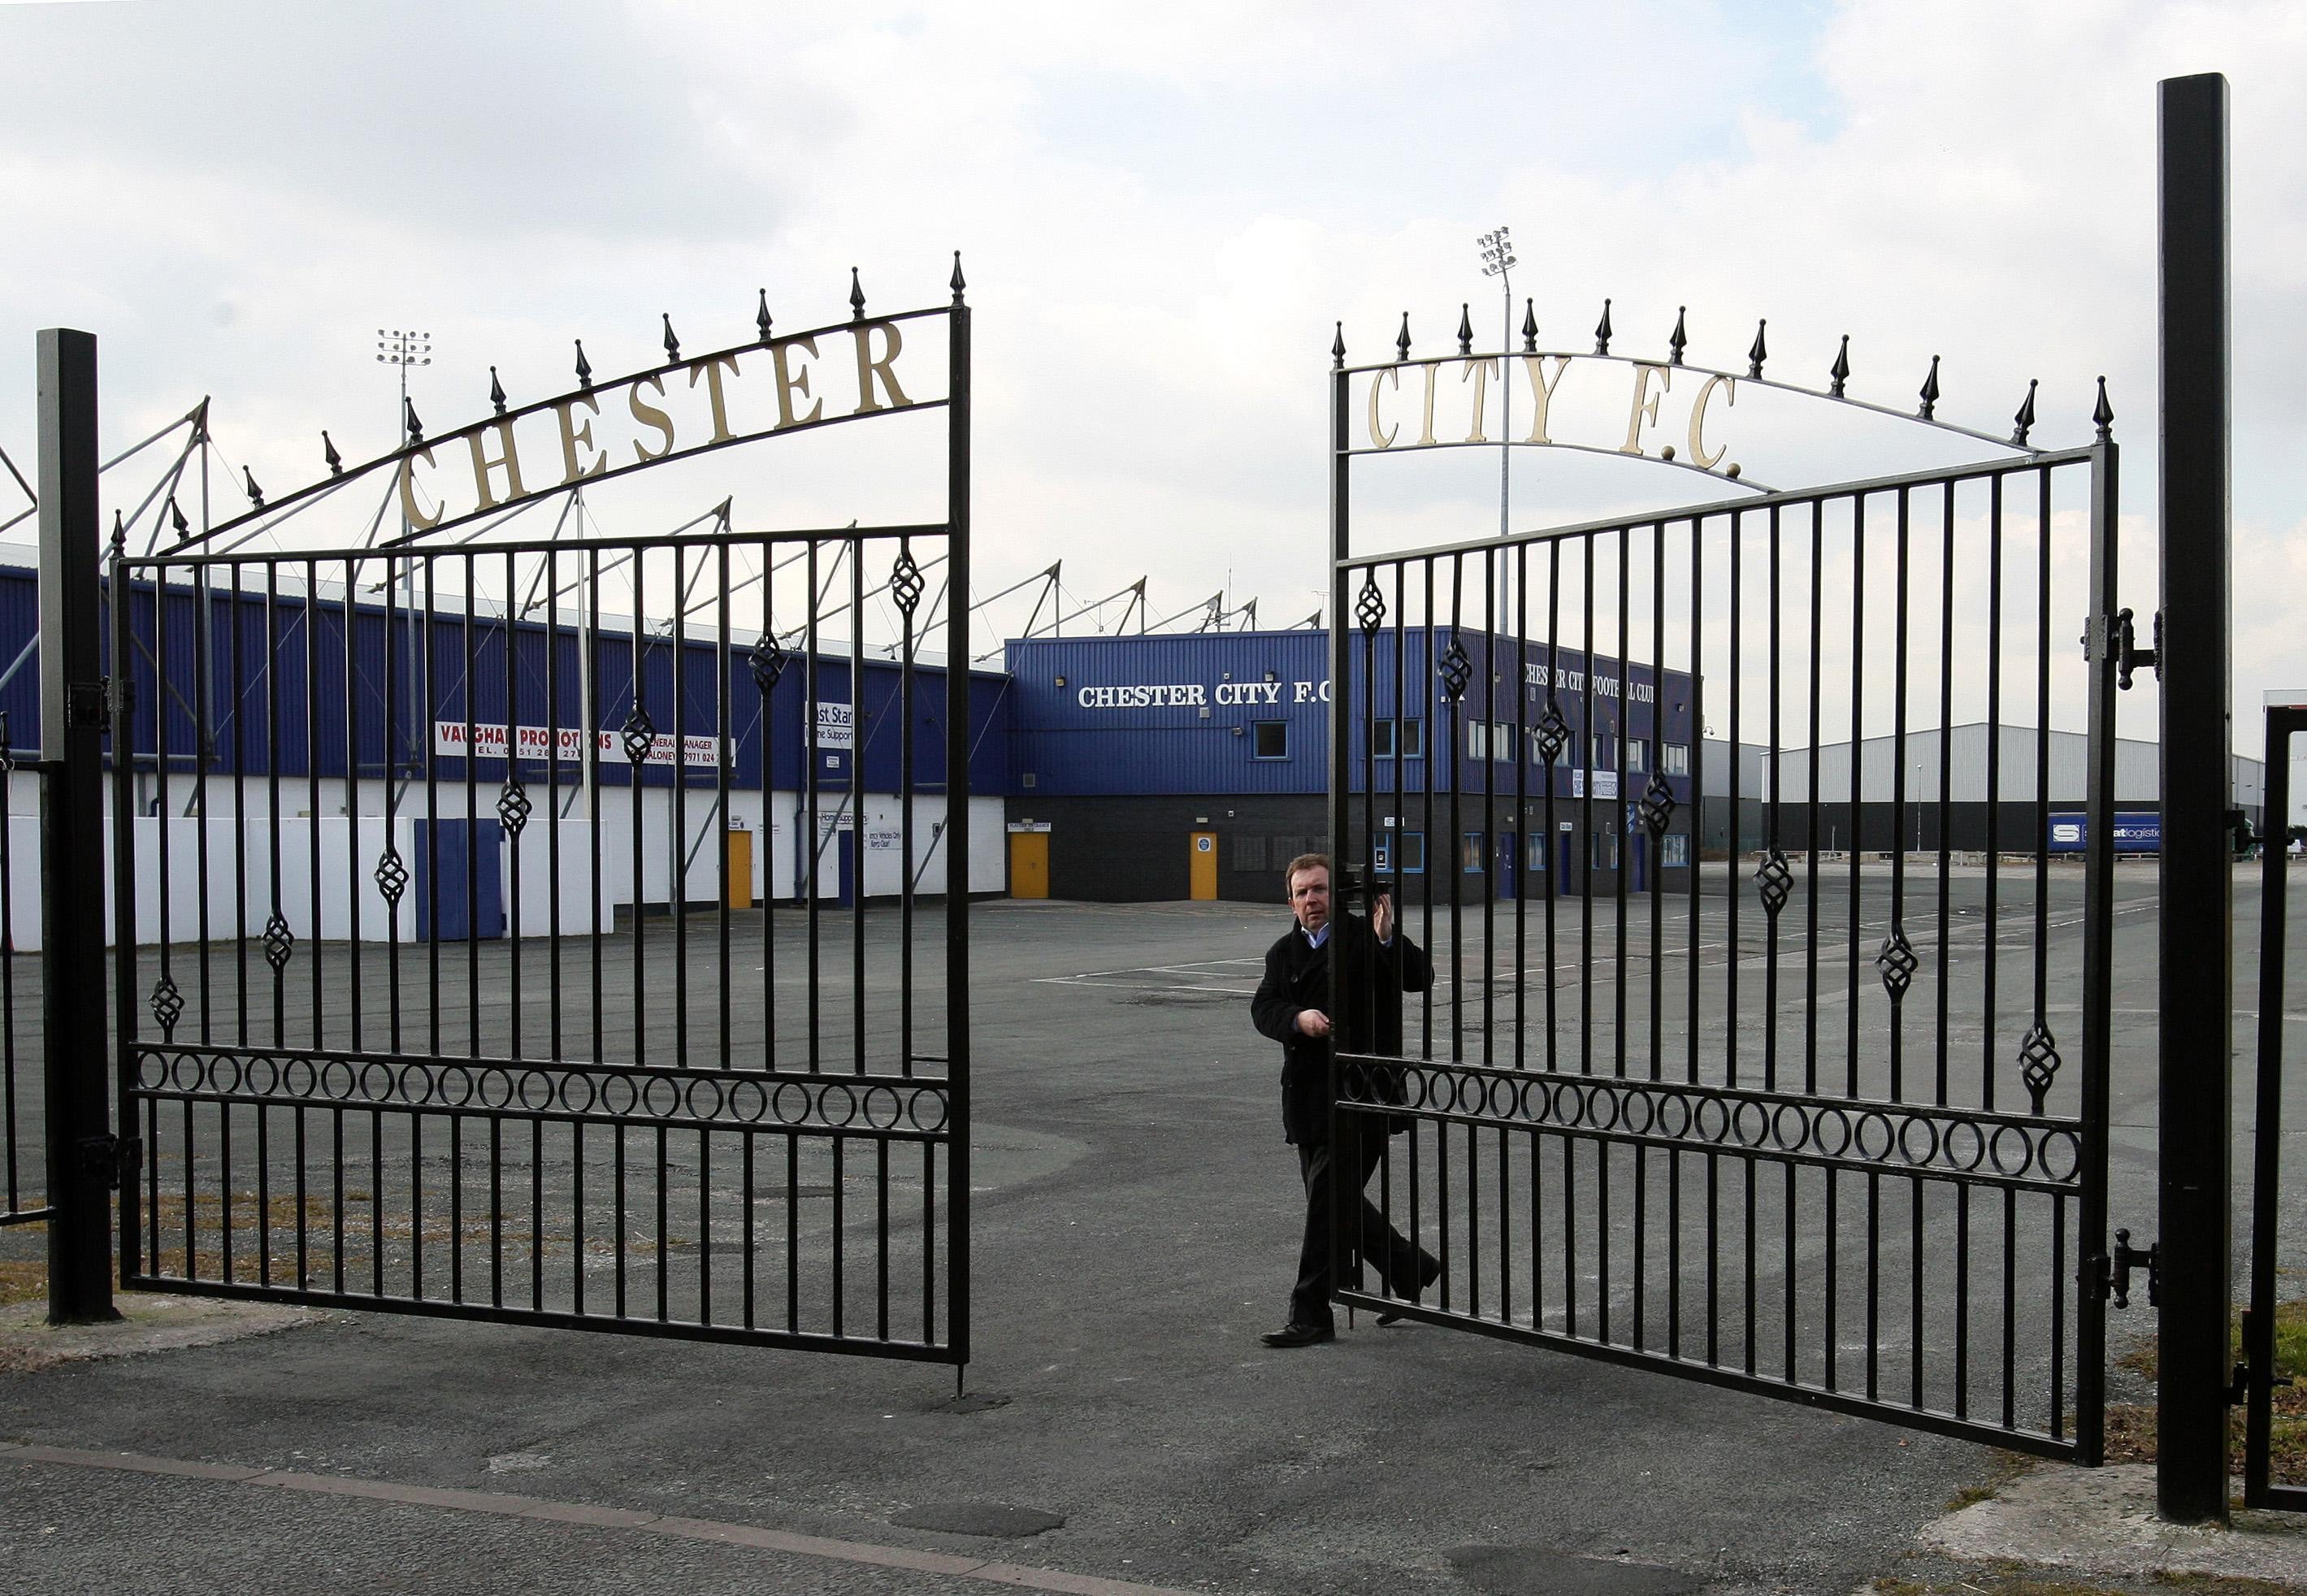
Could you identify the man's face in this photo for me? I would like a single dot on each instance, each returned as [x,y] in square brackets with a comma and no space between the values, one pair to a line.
[1309,898]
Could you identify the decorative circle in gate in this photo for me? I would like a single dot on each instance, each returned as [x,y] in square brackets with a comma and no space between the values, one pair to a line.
[1951,1143]
[617,1094]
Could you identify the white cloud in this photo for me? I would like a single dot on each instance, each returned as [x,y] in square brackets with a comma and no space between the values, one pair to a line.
[1163,212]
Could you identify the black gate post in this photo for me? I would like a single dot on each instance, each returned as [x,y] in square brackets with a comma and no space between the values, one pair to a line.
[2196,1044]
[74,711]
[957,824]
[1343,1196]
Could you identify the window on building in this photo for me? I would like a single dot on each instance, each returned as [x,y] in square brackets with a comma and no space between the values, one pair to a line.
[1677,759]
[1411,735]
[1284,849]
[1249,853]
[1502,742]
[1598,748]
[1605,850]
[1537,844]
[1636,748]
[1413,851]
[1470,853]
[1674,849]
[1477,739]
[1273,739]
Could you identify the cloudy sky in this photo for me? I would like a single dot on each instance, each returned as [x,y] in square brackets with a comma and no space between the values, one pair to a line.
[1162,209]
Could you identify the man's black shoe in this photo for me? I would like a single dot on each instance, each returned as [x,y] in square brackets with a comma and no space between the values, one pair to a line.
[1428,1272]
[1298,1335]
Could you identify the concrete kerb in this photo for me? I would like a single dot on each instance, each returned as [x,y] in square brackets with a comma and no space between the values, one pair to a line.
[2102,1521]
[148,1323]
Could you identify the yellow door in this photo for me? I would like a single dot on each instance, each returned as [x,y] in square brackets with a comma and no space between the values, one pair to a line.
[1029,864]
[1203,873]
[740,870]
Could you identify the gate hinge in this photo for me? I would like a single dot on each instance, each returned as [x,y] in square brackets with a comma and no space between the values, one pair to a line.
[2111,637]
[111,1157]
[2114,1273]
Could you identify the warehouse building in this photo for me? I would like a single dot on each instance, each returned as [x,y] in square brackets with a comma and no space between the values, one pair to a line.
[297,738]
[2010,791]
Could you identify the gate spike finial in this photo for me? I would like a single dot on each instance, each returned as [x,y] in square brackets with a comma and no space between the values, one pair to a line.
[2102,414]
[2023,422]
[329,453]
[177,522]
[409,417]
[584,366]
[119,536]
[672,344]
[1679,341]
[958,282]
[1401,338]
[1758,352]
[856,296]
[496,392]
[1930,391]
[1465,328]
[1529,326]
[761,315]
[1602,331]
[1839,371]
[248,483]
[1338,349]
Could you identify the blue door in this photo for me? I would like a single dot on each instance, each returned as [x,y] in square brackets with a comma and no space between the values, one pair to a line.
[844,848]
[1508,842]
[1562,885]
[1642,861]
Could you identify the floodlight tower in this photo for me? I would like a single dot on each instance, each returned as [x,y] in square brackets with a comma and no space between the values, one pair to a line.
[400,349]
[1498,262]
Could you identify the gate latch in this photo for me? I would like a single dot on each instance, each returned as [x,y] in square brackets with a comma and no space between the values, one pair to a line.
[2111,637]
[91,704]
[2239,1385]
[2115,1273]
[110,1156]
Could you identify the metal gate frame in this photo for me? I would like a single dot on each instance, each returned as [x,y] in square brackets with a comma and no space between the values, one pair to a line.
[398,1081]
[1541,1117]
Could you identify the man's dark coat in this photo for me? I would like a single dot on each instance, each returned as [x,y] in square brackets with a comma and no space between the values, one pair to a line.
[1371,982]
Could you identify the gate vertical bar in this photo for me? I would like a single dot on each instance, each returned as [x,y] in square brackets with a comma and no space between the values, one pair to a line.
[2259,1489]
[2194,1092]
[124,882]
[2099,961]
[71,837]
[957,822]
[1341,769]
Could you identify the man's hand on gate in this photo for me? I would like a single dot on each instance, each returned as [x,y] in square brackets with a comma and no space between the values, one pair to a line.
[1313,1022]
[1382,917]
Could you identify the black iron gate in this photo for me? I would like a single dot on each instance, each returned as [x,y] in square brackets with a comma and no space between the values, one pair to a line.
[1785,1068]
[565,930]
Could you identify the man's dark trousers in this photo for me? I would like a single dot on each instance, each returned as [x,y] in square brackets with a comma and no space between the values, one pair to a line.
[1397,1261]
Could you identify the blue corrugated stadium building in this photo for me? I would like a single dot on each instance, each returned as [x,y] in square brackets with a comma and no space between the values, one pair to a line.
[1196,765]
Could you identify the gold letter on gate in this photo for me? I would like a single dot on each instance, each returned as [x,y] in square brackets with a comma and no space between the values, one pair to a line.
[867,365]
[483,464]
[1643,372]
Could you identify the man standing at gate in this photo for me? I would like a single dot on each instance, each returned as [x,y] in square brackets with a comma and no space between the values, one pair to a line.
[1376,962]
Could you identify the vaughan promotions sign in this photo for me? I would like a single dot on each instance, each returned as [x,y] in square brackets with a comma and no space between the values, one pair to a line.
[541,743]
